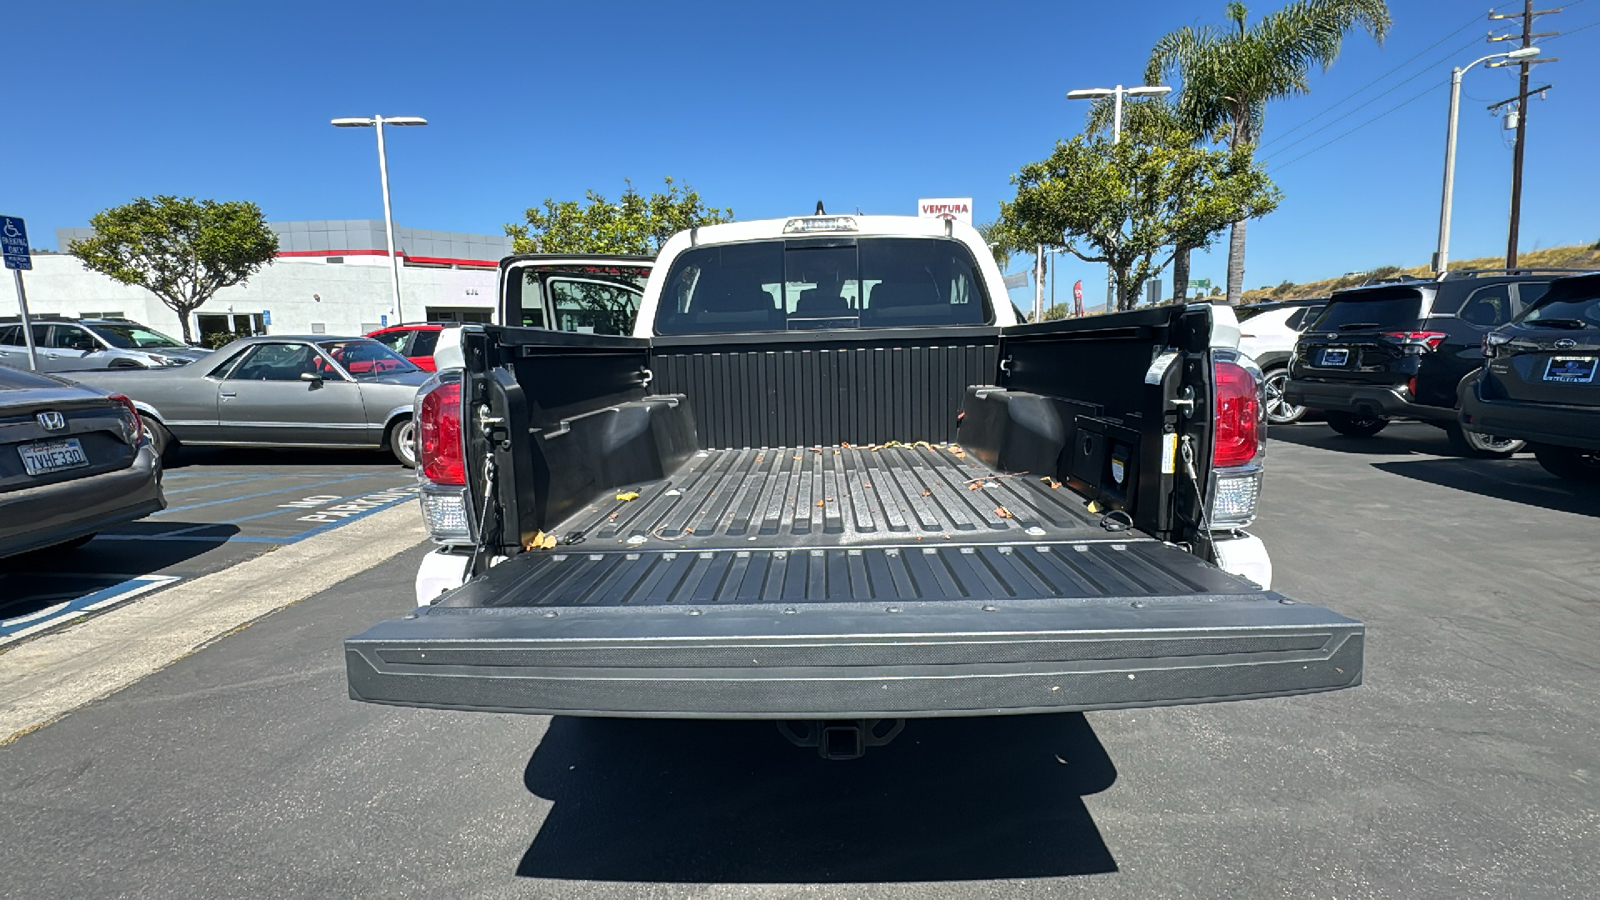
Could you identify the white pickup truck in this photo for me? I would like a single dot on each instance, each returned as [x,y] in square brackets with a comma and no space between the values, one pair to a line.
[831,481]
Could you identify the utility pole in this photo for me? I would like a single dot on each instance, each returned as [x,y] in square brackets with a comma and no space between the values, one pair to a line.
[1038,283]
[1118,92]
[1521,100]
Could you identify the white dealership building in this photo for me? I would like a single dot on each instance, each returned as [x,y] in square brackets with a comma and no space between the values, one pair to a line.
[330,277]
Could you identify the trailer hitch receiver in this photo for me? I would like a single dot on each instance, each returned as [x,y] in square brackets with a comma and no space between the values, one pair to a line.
[841,738]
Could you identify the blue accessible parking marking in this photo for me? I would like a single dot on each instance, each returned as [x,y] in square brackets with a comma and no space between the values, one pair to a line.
[218,515]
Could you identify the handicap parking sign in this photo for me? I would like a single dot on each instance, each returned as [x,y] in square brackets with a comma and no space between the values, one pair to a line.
[14,243]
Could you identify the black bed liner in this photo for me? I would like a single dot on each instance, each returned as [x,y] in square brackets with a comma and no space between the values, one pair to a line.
[940,571]
[833,496]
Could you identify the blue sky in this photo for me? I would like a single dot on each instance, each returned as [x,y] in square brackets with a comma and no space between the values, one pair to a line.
[764,107]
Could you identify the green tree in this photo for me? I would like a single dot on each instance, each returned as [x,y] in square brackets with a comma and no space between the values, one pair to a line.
[1284,289]
[1230,72]
[1123,203]
[1142,116]
[635,224]
[181,250]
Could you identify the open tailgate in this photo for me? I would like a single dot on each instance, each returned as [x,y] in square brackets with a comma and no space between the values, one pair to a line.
[878,632]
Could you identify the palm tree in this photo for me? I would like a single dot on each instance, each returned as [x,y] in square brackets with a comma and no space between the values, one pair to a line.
[1230,72]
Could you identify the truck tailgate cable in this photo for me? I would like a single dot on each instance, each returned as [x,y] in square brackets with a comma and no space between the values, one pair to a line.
[483,516]
[1186,451]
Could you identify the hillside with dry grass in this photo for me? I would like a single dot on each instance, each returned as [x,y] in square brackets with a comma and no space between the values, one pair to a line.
[1578,256]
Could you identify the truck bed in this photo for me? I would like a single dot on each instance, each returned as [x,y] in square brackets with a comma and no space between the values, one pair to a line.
[819,497]
[847,582]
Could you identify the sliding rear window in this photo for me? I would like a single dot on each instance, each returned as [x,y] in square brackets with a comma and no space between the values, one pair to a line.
[812,284]
[1378,310]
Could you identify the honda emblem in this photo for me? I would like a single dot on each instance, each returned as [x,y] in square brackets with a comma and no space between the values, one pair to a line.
[51,421]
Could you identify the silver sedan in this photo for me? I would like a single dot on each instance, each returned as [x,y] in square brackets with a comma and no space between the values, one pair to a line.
[271,391]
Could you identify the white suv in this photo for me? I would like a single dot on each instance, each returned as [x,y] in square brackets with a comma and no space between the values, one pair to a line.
[1267,334]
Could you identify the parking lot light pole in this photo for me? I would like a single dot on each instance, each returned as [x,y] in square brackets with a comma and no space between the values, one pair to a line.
[1441,256]
[1117,93]
[383,176]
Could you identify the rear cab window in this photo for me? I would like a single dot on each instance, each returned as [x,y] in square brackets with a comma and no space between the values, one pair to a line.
[1382,309]
[828,283]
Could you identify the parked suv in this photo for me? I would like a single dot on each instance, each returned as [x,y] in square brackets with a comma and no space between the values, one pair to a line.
[1267,334]
[65,344]
[1540,383]
[1409,349]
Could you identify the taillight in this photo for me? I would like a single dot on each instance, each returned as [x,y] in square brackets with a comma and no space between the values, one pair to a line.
[1429,339]
[439,445]
[1238,438]
[1411,386]
[134,423]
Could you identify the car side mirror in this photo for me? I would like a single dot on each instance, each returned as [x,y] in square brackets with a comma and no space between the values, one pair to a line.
[311,377]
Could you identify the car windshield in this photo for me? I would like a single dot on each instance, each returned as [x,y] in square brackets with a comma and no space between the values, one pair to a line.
[366,358]
[1574,303]
[133,337]
[821,283]
[1380,310]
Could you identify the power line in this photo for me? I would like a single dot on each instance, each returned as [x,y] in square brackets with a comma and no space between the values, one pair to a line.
[1336,104]
[1375,98]
[1573,31]
[1426,92]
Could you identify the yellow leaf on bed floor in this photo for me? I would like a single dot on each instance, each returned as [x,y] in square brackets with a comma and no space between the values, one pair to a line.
[625,496]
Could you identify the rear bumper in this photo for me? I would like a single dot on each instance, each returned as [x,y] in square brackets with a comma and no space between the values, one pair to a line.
[34,518]
[856,660]
[1390,402]
[1543,423]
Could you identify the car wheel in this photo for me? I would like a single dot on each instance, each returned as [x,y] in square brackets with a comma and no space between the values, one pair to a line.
[161,439]
[403,442]
[1356,426]
[1568,462]
[1481,446]
[1279,410]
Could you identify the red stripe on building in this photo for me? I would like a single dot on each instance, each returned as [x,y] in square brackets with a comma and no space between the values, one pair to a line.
[426,260]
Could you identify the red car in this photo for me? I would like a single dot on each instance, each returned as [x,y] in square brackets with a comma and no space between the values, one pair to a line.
[414,342]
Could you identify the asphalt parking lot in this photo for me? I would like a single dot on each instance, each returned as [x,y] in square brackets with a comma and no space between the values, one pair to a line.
[1465,766]
[223,506]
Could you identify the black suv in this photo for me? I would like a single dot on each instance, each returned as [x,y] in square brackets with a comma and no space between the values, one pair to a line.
[1540,382]
[1409,349]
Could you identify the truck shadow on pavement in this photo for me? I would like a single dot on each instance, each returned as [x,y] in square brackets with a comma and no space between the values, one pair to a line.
[733,802]
[1519,480]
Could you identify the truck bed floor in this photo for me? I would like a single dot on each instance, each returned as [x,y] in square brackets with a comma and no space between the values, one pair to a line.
[821,497]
